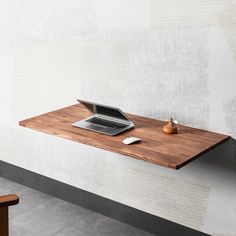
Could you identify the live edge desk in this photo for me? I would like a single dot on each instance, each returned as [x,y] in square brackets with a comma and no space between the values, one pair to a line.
[173,151]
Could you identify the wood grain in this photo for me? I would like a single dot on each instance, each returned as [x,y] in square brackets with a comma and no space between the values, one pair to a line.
[173,151]
[9,200]
[4,223]
[5,202]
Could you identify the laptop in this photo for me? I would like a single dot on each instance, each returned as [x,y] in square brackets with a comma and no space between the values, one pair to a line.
[104,119]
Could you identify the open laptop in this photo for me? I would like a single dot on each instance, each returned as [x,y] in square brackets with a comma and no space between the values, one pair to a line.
[105,119]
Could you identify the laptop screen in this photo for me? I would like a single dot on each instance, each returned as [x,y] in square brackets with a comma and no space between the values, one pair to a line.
[109,111]
[104,110]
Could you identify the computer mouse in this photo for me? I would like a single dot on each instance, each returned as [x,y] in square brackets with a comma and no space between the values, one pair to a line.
[131,140]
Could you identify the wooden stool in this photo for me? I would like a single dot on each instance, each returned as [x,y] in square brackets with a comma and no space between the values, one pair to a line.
[5,202]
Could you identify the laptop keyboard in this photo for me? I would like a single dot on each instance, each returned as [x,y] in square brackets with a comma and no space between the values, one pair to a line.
[107,123]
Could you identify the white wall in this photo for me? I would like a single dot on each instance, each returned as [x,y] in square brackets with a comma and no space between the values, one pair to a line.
[150,57]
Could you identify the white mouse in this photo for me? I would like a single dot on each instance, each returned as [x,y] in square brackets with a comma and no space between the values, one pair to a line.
[131,140]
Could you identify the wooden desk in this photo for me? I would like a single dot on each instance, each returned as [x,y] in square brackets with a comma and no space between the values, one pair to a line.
[173,151]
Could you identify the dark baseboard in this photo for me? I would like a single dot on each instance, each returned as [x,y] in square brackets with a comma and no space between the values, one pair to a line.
[107,207]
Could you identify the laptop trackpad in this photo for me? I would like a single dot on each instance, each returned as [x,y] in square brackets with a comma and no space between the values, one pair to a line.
[95,127]
[86,125]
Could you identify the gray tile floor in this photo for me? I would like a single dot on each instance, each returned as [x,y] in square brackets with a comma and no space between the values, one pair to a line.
[39,214]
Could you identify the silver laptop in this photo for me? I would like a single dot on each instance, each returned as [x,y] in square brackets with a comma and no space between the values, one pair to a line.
[105,119]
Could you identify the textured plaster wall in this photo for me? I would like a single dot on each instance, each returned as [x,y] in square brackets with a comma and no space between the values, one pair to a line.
[151,57]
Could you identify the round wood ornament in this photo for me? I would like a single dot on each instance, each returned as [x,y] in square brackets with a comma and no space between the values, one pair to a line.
[171,127]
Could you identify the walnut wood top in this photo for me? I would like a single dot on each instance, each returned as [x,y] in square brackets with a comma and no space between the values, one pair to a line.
[9,200]
[173,151]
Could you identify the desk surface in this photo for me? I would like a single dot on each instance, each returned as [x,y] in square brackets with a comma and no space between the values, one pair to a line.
[173,151]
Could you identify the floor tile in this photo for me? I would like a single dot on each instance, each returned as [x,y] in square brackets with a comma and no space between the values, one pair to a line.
[47,219]
[9,187]
[71,231]
[29,198]
[39,214]
[99,225]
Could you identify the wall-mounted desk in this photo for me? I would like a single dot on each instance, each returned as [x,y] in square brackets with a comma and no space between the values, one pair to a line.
[173,151]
